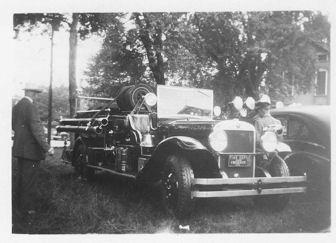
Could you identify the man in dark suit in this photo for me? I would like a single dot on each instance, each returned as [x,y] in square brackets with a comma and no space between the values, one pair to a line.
[29,147]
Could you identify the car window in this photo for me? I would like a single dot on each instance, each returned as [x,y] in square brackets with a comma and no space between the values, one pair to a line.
[297,129]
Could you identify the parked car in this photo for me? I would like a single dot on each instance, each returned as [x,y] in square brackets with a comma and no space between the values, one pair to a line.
[173,140]
[307,132]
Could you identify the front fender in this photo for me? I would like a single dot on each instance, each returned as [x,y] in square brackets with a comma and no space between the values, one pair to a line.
[201,159]
[283,147]
[183,142]
[307,155]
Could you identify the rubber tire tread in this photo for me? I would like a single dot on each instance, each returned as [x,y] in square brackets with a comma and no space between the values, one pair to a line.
[127,98]
[184,173]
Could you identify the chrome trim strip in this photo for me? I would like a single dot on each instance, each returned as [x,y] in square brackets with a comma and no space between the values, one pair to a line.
[240,193]
[95,98]
[234,181]
[87,111]
[233,153]
[81,119]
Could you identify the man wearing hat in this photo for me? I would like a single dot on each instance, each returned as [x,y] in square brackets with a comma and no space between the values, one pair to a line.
[29,147]
[263,117]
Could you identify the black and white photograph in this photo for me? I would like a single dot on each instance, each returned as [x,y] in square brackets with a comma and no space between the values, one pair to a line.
[186,121]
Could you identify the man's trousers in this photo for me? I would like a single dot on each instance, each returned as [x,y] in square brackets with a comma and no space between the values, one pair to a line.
[25,187]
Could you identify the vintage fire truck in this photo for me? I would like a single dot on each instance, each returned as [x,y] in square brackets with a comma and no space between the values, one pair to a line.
[173,139]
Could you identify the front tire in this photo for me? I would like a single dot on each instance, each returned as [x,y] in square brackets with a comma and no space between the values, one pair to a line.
[176,186]
[277,168]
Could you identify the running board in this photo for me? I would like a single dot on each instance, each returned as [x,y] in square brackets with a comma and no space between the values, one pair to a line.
[105,169]
[111,171]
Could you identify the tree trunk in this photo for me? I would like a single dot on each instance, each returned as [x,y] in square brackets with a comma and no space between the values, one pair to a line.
[153,50]
[72,64]
[159,59]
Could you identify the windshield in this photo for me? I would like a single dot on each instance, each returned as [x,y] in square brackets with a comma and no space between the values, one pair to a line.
[184,102]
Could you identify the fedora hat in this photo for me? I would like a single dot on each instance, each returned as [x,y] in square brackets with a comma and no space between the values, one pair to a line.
[32,87]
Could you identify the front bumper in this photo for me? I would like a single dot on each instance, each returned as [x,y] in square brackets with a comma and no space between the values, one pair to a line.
[237,187]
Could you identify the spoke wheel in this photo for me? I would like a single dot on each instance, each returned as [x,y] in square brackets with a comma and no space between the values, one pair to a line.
[176,187]
[170,185]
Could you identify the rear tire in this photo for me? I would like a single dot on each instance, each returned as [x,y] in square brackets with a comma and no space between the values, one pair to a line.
[176,187]
[277,168]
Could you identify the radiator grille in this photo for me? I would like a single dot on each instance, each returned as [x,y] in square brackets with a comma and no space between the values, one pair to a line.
[240,142]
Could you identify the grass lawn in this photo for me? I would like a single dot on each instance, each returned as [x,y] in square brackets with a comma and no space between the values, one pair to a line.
[68,205]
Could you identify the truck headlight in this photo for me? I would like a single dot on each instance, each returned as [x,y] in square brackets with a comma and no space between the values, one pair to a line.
[218,140]
[269,141]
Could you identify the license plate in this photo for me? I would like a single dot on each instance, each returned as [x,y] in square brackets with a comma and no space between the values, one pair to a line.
[240,160]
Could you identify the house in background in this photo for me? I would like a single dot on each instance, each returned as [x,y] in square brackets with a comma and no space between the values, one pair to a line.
[320,93]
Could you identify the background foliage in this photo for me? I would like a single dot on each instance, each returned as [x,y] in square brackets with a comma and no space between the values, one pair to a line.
[233,53]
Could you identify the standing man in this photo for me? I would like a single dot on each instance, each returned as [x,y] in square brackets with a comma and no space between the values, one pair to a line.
[29,148]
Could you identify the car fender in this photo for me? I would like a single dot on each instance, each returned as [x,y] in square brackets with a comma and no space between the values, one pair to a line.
[182,142]
[283,147]
[307,155]
[317,168]
[202,161]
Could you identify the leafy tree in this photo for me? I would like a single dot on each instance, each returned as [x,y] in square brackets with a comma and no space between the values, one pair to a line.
[221,48]
[79,25]
[134,55]
[118,62]
[59,103]
[233,53]
[286,38]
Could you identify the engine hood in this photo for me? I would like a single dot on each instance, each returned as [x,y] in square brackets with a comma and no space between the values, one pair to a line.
[188,123]
[198,129]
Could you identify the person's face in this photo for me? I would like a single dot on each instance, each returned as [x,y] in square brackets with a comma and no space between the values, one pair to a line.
[32,94]
[264,110]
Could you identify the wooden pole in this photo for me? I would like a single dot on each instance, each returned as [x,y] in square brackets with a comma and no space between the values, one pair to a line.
[72,63]
[50,82]
[72,68]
